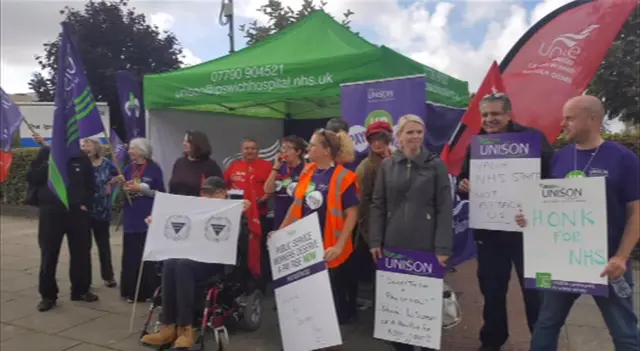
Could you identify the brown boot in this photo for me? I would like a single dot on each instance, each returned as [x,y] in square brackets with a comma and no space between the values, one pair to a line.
[165,336]
[186,338]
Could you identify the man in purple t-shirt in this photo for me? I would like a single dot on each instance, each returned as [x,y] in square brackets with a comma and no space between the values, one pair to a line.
[592,156]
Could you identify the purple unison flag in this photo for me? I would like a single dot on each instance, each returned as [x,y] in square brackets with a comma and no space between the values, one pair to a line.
[76,115]
[384,100]
[131,105]
[10,120]
[119,149]
[507,145]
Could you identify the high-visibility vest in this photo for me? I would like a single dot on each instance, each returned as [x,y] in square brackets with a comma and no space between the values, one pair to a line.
[341,180]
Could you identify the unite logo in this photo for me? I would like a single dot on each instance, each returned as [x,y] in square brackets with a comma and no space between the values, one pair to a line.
[564,47]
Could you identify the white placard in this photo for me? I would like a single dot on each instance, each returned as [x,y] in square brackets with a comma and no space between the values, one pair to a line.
[565,240]
[409,289]
[196,228]
[306,310]
[501,166]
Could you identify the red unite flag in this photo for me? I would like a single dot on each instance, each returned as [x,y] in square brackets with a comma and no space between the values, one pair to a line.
[455,151]
[6,158]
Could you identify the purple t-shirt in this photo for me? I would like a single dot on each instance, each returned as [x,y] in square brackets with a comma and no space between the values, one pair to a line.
[135,214]
[619,165]
[316,195]
[285,189]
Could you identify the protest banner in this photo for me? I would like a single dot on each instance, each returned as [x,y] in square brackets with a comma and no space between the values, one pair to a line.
[381,100]
[501,166]
[306,311]
[565,241]
[195,228]
[409,289]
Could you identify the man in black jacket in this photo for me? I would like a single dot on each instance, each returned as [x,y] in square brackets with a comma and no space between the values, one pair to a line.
[56,220]
[498,251]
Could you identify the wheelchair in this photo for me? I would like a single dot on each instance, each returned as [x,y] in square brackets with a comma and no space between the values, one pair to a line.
[227,305]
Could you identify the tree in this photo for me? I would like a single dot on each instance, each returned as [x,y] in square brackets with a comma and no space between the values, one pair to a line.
[616,81]
[110,36]
[281,16]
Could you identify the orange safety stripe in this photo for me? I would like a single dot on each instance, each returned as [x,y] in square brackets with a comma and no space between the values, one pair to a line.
[341,180]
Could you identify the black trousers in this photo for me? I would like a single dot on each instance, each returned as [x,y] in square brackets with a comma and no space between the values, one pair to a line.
[265,262]
[52,227]
[132,250]
[496,256]
[179,280]
[359,267]
[102,237]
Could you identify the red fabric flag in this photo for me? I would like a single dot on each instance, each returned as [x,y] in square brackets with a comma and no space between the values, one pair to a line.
[6,158]
[557,58]
[455,151]
[255,230]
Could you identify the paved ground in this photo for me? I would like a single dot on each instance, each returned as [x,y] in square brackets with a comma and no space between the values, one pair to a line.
[104,325]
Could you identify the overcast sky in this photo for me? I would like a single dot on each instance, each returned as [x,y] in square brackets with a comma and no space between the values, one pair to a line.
[460,38]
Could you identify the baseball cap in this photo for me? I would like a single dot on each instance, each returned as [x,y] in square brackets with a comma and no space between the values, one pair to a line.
[378,127]
[213,184]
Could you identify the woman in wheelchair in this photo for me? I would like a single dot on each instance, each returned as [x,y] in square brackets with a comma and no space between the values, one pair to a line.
[180,278]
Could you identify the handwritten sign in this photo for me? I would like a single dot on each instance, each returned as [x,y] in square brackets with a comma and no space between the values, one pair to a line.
[565,241]
[409,290]
[306,311]
[501,165]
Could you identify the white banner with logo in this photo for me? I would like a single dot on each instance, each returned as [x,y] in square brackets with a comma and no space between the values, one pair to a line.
[306,311]
[565,240]
[195,228]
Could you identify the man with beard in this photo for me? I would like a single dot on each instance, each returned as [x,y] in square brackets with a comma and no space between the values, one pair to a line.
[499,251]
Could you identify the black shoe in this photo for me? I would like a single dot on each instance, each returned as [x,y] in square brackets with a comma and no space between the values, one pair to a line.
[46,304]
[110,283]
[87,297]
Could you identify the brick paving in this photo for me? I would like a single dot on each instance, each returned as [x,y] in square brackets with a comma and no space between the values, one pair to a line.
[104,325]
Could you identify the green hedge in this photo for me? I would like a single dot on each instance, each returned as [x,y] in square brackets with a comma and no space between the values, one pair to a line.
[13,191]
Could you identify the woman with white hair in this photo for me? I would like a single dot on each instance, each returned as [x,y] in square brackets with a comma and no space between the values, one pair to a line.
[141,179]
[411,205]
[100,208]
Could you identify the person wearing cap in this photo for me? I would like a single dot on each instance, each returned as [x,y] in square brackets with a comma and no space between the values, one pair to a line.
[180,278]
[379,135]
[100,208]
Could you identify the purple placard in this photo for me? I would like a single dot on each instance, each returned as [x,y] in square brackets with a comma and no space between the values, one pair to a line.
[384,100]
[570,287]
[508,145]
[423,264]
[300,274]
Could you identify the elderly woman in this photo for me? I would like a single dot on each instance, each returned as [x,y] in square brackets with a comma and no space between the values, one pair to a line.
[411,205]
[100,208]
[330,189]
[141,178]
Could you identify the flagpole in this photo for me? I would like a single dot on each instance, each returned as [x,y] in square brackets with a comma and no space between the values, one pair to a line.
[33,131]
[115,162]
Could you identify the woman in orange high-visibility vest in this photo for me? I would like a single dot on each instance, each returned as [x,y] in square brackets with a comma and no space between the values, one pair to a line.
[331,190]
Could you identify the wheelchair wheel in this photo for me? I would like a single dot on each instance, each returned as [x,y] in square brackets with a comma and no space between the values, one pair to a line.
[252,312]
[215,340]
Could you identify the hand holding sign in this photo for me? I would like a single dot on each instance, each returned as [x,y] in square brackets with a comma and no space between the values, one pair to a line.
[615,268]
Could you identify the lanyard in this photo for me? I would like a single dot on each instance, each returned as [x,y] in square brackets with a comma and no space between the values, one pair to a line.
[137,174]
[575,159]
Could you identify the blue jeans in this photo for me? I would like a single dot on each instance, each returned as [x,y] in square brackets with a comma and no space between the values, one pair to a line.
[617,312]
